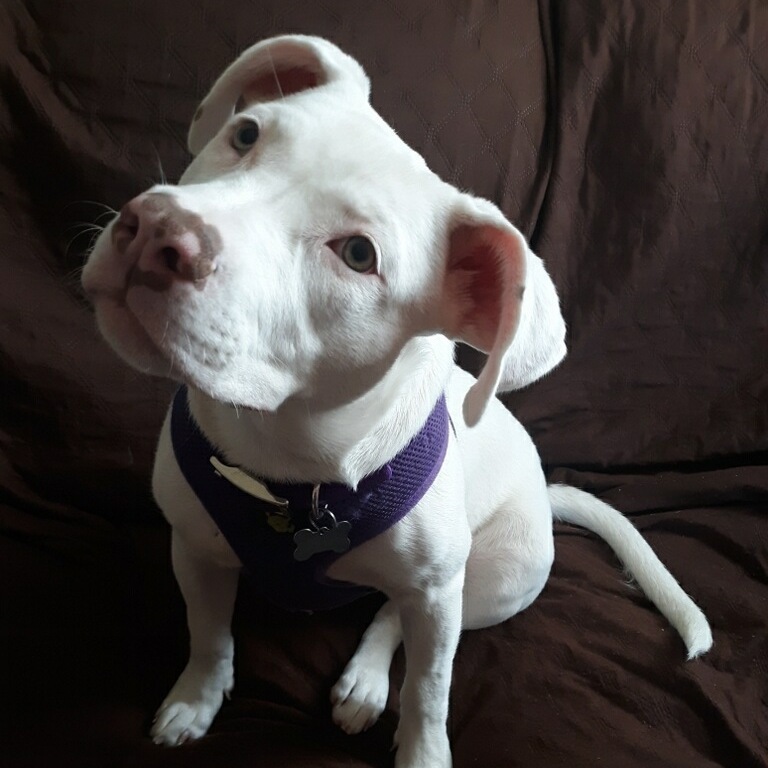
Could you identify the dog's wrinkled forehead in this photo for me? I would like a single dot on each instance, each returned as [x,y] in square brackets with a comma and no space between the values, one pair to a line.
[316,139]
[319,158]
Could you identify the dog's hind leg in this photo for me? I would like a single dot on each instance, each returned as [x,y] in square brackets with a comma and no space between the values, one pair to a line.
[360,694]
[508,565]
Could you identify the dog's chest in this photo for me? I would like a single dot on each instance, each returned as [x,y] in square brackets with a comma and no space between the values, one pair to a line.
[288,537]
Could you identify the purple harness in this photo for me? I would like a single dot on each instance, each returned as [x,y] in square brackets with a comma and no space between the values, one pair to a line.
[263,537]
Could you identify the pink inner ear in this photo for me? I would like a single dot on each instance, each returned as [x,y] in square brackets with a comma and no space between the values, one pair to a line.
[484,278]
[277,82]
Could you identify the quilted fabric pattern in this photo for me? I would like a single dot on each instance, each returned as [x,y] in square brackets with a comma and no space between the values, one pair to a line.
[654,228]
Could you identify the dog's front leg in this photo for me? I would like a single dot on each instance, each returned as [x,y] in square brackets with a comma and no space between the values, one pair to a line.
[431,624]
[209,591]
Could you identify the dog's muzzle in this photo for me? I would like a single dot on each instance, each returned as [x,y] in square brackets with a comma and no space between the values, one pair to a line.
[164,243]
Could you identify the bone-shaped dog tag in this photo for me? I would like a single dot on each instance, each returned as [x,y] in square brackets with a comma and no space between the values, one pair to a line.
[312,542]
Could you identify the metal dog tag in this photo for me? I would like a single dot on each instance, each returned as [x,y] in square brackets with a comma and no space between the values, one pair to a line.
[312,542]
[333,537]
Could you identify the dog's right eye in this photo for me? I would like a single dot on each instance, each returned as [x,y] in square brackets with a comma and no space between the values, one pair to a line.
[359,254]
[245,136]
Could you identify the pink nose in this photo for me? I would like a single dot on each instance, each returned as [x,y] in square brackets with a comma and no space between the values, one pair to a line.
[165,242]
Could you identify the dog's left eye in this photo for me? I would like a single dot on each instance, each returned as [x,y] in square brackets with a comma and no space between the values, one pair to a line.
[359,253]
[245,136]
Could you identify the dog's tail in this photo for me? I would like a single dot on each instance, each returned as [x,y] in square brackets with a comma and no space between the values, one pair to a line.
[572,505]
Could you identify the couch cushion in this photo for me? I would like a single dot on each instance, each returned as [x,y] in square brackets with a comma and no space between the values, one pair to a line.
[654,229]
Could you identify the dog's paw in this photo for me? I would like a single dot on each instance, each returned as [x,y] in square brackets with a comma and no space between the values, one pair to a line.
[189,709]
[359,697]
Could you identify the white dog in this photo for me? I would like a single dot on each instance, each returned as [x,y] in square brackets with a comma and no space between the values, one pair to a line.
[306,282]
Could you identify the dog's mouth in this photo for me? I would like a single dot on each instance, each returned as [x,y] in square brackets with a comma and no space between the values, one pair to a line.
[168,340]
[129,337]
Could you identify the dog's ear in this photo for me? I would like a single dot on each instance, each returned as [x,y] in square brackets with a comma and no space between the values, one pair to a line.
[539,344]
[498,298]
[275,69]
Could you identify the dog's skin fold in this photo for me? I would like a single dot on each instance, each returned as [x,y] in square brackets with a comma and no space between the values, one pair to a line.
[310,360]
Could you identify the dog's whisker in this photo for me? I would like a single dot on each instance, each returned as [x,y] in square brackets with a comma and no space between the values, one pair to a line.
[274,72]
[163,178]
[72,240]
[90,202]
[73,276]
[171,363]
[94,238]
[81,227]
[110,212]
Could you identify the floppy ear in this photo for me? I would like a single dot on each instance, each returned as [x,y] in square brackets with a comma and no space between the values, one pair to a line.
[485,303]
[275,68]
[539,344]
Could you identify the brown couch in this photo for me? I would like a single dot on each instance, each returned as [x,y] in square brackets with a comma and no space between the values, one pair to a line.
[629,140]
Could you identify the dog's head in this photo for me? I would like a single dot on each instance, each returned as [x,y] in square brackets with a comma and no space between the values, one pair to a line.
[306,244]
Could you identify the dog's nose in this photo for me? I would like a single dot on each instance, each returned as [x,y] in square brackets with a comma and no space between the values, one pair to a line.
[166,242]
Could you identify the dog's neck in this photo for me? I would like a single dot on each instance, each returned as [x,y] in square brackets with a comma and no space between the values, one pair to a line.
[341,444]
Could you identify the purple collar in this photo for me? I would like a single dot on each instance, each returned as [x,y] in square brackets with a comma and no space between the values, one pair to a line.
[268,540]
